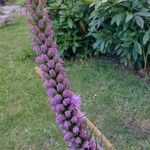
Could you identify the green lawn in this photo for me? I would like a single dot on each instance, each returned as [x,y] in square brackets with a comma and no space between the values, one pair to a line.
[117,103]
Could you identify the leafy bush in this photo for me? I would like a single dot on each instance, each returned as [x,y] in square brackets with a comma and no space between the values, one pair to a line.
[122,27]
[70,22]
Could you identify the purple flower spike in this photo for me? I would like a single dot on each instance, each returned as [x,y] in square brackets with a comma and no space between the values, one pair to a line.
[66,125]
[59,108]
[72,144]
[86,145]
[59,78]
[49,32]
[53,102]
[68,114]
[56,100]
[48,42]
[46,85]
[52,73]
[51,64]
[41,24]
[36,48]
[56,58]
[60,87]
[45,75]
[42,36]
[59,67]
[68,136]
[61,127]
[84,134]
[49,83]
[75,130]
[76,100]
[67,93]
[54,44]
[52,83]
[51,52]
[74,119]
[51,92]
[77,141]
[66,83]
[58,97]
[42,58]
[42,2]
[36,41]
[44,48]
[64,102]
[93,144]
[60,119]
[44,67]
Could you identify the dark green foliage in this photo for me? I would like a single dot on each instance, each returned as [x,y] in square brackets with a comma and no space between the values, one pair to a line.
[122,27]
[70,22]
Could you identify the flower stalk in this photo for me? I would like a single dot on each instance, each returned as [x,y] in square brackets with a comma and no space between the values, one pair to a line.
[62,99]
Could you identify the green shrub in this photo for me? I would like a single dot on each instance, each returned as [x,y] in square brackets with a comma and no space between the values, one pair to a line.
[70,22]
[122,28]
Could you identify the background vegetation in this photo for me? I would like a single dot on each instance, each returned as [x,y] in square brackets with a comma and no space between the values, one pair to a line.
[122,28]
[119,28]
[70,22]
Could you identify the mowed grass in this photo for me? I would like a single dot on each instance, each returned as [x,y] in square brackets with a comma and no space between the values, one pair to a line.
[111,98]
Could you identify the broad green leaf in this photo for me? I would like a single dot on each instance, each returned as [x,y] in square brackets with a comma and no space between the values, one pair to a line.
[117,18]
[96,44]
[119,51]
[128,17]
[144,14]
[134,54]
[102,46]
[70,23]
[61,19]
[137,47]
[113,20]
[139,20]
[117,47]
[146,37]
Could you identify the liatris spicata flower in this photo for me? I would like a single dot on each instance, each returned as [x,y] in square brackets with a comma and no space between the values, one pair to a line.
[62,99]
